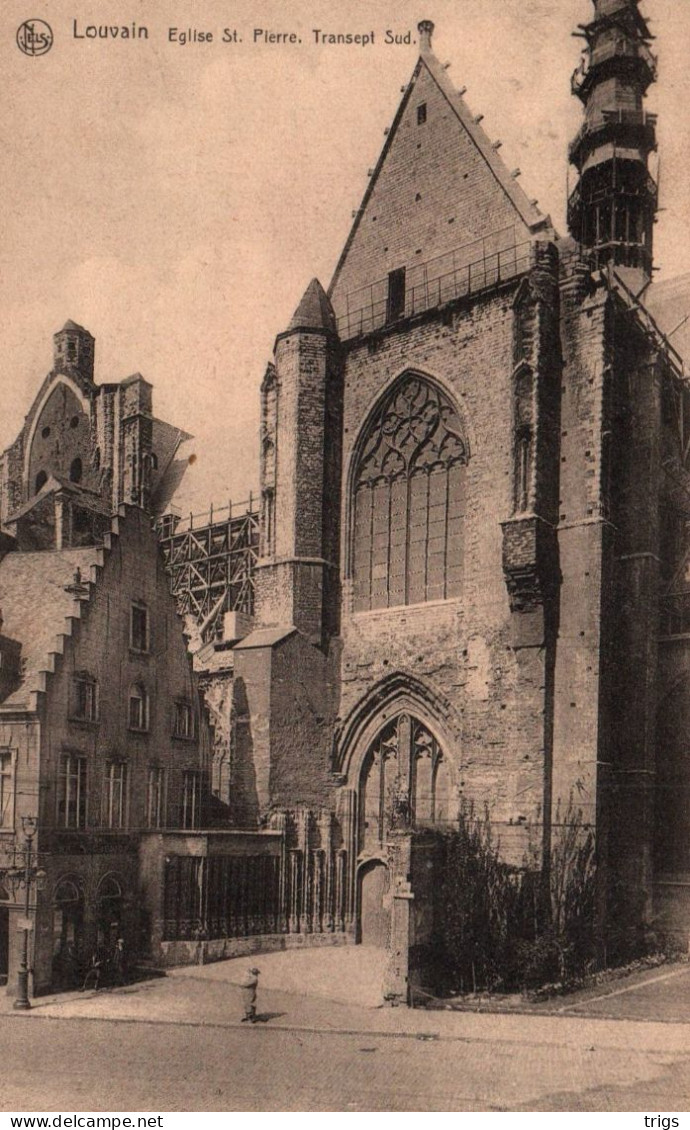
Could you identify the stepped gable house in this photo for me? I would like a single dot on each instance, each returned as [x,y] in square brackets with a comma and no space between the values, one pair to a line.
[102,735]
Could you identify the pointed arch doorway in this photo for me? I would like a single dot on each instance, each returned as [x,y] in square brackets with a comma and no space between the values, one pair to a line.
[404,783]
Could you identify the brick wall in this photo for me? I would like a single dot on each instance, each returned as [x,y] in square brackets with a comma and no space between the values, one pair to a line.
[62,434]
[100,645]
[285,701]
[461,648]
[424,201]
[303,421]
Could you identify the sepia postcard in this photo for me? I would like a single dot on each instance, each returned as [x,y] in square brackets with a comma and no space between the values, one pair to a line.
[344,559]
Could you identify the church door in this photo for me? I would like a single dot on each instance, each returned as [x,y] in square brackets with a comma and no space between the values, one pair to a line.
[374,913]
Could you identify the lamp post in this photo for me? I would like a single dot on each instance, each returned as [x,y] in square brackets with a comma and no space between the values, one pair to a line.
[29,827]
[22,1001]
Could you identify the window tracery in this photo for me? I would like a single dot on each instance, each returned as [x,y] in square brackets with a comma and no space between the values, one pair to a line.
[409,500]
[405,781]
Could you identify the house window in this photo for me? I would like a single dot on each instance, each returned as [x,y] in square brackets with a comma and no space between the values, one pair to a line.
[408,512]
[41,480]
[116,794]
[75,470]
[156,798]
[421,113]
[85,698]
[138,708]
[395,307]
[184,720]
[139,628]
[191,799]
[6,789]
[71,796]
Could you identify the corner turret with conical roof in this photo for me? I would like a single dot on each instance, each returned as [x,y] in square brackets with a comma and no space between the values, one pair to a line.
[611,211]
[301,422]
[314,311]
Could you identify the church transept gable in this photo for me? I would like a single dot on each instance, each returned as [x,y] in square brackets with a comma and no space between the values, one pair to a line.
[440,201]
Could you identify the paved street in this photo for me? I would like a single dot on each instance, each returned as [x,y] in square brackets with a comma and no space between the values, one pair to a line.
[51,1064]
[177,1043]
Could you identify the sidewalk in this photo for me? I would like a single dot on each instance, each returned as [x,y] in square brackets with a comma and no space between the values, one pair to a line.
[297,992]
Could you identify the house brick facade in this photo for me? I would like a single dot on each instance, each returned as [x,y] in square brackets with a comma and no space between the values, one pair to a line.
[104,735]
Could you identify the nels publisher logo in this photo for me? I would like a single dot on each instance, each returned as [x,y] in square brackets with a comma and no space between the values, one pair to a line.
[34,37]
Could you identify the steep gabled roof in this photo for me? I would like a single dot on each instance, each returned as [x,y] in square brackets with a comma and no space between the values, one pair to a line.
[669,304]
[166,441]
[528,212]
[55,484]
[439,184]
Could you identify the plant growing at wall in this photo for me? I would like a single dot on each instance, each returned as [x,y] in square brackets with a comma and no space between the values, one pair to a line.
[477,907]
[495,929]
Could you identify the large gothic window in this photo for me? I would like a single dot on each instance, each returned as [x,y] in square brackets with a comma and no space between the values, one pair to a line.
[404,781]
[409,500]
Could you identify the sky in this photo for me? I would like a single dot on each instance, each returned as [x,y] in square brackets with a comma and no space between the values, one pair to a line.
[177,200]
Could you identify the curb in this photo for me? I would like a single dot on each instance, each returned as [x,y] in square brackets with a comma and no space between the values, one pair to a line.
[368,1033]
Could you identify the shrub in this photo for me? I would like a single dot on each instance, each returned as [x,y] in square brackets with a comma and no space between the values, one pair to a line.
[501,927]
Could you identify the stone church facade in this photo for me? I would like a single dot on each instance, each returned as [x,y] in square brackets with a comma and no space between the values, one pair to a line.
[474,498]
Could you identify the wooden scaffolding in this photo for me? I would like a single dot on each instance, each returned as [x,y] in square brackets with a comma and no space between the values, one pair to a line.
[210,558]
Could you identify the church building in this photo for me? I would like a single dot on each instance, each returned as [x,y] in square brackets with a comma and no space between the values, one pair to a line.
[472,586]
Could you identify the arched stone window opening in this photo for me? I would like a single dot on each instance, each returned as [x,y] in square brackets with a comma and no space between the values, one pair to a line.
[523,466]
[109,911]
[404,781]
[269,521]
[41,480]
[269,463]
[408,500]
[68,933]
[75,470]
